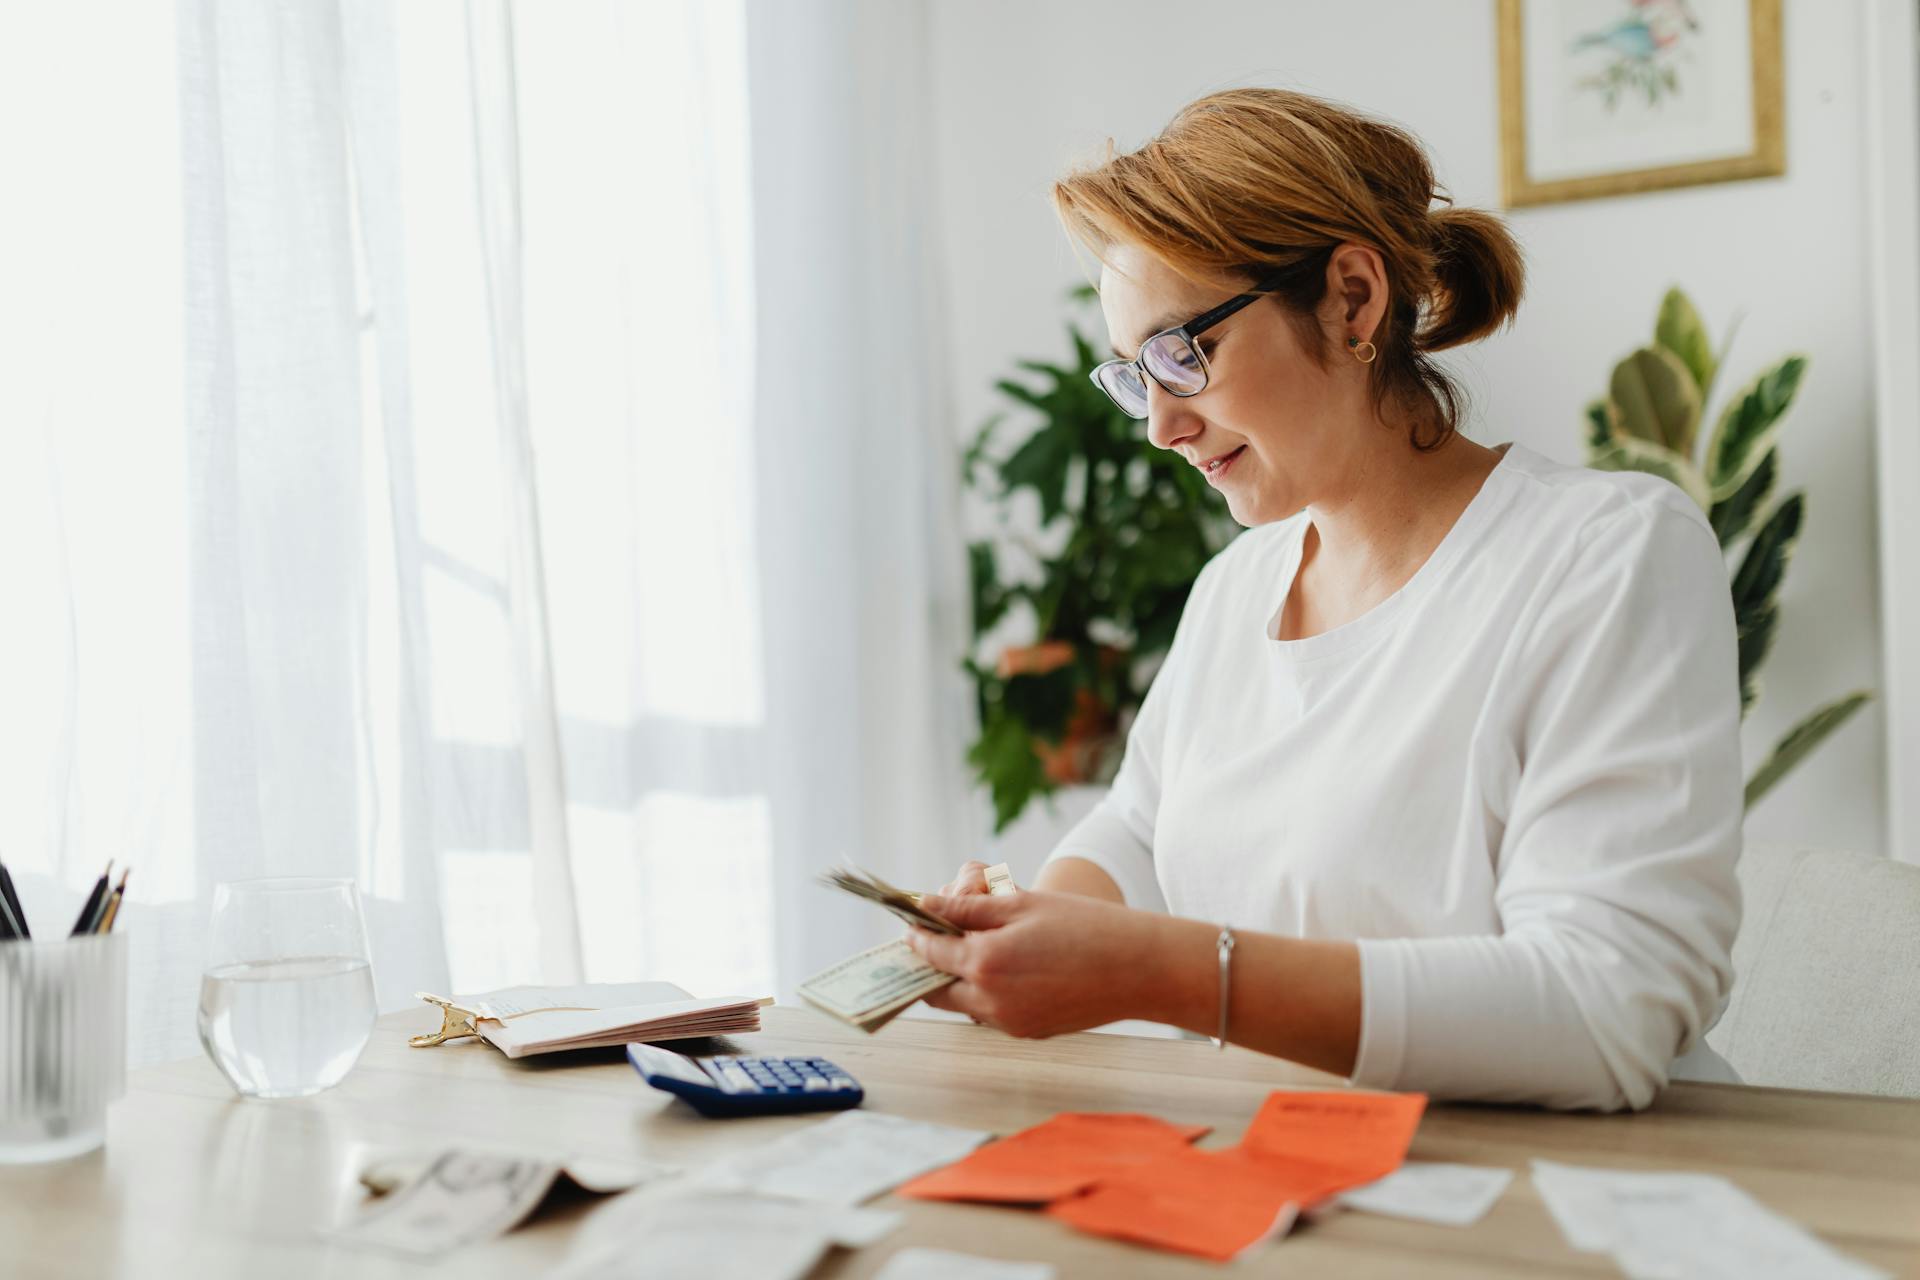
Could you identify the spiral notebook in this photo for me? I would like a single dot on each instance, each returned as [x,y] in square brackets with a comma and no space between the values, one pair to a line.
[520,1021]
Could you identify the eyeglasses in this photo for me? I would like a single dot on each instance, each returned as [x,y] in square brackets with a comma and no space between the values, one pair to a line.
[1171,358]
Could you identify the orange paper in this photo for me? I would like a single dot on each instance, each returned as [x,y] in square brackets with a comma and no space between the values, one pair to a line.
[1056,1158]
[1300,1149]
[1365,1134]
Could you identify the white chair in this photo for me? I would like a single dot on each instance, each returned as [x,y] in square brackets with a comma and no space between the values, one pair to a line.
[1826,986]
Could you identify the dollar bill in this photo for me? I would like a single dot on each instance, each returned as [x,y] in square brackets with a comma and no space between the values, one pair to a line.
[391,1171]
[906,905]
[1000,880]
[462,1197]
[870,989]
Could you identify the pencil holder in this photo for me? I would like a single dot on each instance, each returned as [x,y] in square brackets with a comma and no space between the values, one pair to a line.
[63,1044]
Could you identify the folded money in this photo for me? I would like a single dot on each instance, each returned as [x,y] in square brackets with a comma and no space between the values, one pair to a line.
[388,1172]
[864,884]
[1000,880]
[869,990]
[462,1197]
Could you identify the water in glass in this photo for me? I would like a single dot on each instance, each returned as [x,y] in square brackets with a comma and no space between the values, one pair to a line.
[287,1002]
[283,1028]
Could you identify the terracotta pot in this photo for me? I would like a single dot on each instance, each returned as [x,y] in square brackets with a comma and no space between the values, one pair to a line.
[1090,728]
[1074,759]
[1034,659]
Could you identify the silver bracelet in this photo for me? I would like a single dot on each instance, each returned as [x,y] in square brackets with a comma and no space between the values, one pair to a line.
[1226,970]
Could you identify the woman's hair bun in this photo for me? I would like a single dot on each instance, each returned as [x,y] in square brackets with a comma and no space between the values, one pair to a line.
[1479,276]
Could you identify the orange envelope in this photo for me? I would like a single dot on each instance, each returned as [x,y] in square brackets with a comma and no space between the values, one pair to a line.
[1300,1149]
[1365,1134]
[1056,1158]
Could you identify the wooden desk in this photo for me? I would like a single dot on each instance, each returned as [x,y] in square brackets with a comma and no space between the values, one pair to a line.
[195,1181]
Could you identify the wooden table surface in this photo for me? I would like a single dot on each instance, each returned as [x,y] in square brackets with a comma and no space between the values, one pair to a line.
[194,1181]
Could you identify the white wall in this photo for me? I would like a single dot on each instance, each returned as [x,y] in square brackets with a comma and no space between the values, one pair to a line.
[1023,89]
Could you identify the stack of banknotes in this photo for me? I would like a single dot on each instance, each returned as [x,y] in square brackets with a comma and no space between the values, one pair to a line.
[870,989]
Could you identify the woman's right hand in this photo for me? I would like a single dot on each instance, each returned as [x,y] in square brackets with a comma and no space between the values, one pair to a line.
[971,879]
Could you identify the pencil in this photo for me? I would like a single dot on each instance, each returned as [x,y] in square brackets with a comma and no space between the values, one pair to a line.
[15,913]
[85,922]
[108,916]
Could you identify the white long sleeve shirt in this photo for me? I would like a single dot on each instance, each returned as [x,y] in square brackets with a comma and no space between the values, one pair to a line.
[1516,782]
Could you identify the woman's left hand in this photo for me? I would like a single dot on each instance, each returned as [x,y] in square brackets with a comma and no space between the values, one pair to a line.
[1037,964]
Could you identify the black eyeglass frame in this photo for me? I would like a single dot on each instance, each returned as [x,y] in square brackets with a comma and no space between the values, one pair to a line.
[1187,333]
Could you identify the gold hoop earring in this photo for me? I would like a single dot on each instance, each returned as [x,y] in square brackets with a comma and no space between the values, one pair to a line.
[1371,351]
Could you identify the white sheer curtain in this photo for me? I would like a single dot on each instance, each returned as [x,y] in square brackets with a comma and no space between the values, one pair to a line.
[495,454]
[860,551]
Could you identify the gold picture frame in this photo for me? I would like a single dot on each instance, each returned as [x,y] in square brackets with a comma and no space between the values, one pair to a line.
[1635,67]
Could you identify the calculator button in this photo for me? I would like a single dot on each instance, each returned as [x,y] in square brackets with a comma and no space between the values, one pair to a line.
[840,1082]
[817,1085]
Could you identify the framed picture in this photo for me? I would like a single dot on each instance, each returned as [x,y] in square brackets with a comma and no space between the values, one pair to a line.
[1611,97]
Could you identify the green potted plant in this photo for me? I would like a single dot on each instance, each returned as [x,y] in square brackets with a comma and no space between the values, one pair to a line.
[1649,421]
[1091,595]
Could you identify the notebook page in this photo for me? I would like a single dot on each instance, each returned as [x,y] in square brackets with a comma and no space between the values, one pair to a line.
[557,1027]
[512,1002]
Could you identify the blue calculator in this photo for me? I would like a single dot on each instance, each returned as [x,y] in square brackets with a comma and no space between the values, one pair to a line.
[734,1086]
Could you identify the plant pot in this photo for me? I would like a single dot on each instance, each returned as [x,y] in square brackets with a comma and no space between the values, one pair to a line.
[1075,759]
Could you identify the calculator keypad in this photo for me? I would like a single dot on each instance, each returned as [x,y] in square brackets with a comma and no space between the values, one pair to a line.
[780,1075]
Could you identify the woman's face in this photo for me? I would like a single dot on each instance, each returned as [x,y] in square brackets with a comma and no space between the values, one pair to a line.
[1283,426]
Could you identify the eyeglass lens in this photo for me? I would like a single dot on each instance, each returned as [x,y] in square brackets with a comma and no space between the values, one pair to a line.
[1172,361]
[1122,384]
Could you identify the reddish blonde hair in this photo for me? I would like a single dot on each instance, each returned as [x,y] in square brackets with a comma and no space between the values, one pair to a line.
[1266,183]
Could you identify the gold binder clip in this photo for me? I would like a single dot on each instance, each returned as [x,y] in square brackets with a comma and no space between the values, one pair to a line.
[457,1023]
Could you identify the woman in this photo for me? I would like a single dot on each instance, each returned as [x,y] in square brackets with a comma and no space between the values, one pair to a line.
[1439,786]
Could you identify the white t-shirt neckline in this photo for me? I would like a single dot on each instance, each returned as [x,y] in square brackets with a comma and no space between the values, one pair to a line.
[1479,513]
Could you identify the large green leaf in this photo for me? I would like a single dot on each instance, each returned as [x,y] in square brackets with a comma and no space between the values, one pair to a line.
[990,599]
[1630,453]
[1755,638]
[1004,759]
[1756,584]
[1042,464]
[1042,402]
[1679,330]
[1747,427]
[1733,515]
[1765,563]
[1800,740]
[976,453]
[1656,399]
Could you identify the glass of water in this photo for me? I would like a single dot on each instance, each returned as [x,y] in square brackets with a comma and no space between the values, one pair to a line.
[286,1004]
